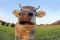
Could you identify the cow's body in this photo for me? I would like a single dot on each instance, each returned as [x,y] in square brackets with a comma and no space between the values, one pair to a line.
[24,33]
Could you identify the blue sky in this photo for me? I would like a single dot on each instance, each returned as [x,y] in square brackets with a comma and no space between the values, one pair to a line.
[51,7]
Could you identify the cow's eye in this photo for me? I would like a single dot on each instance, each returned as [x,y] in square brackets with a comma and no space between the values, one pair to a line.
[30,14]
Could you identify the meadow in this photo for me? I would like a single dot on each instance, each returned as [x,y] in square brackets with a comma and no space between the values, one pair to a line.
[47,32]
[42,32]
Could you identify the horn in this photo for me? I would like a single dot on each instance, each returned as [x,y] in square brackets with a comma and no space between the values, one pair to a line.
[20,6]
[37,7]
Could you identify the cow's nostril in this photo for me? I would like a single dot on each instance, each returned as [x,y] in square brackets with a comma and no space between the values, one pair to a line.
[30,14]
[19,14]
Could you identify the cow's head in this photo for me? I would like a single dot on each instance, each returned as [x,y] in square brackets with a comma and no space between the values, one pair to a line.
[28,14]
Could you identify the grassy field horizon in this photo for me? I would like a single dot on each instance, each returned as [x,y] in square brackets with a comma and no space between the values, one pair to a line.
[42,32]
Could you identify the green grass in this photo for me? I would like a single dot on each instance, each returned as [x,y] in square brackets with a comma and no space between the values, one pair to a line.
[48,33]
[42,33]
[6,33]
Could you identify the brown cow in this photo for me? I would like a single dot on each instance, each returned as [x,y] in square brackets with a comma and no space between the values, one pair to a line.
[3,23]
[25,27]
[7,24]
[12,25]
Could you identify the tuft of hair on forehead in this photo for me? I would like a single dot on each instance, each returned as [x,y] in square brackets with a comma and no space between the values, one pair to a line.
[28,7]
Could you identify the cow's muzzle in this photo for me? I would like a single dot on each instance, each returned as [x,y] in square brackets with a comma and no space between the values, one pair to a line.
[26,22]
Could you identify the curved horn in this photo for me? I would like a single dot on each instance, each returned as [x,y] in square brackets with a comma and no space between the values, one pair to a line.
[37,7]
[20,6]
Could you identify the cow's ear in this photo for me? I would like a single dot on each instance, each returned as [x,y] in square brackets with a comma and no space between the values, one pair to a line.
[15,12]
[40,14]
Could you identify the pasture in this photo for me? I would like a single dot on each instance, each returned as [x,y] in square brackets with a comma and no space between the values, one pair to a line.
[42,32]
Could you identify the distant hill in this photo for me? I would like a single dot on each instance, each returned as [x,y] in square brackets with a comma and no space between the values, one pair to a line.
[56,23]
